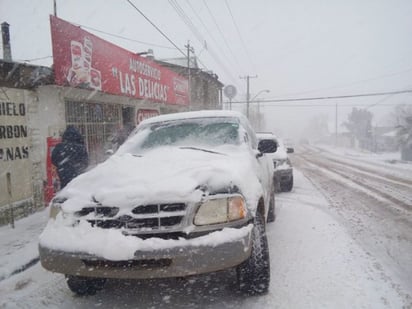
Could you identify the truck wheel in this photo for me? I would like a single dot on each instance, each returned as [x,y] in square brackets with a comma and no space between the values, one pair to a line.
[271,212]
[83,285]
[287,187]
[254,274]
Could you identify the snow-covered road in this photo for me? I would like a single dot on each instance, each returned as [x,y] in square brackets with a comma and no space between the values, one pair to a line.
[386,180]
[372,200]
[334,244]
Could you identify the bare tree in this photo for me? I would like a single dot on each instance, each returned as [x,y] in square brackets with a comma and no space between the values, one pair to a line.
[360,125]
[403,121]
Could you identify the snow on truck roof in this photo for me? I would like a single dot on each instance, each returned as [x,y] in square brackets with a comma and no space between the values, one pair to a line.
[262,135]
[194,114]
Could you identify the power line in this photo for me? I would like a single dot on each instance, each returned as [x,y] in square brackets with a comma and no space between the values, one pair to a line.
[380,101]
[179,10]
[206,28]
[352,83]
[321,105]
[221,33]
[157,28]
[188,23]
[124,38]
[129,39]
[223,66]
[330,97]
[183,16]
[36,59]
[132,40]
[210,50]
[240,36]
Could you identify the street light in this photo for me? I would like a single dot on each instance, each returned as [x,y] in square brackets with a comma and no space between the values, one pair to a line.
[261,91]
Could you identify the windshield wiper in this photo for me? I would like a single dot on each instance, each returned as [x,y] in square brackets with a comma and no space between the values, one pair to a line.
[201,149]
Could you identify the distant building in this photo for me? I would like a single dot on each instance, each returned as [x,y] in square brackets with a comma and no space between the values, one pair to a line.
[405,137]
[385,139]
[205,87]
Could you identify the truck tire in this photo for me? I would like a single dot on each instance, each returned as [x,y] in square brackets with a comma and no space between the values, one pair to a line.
[83,285]
[271,213]
[254,274]
[287,187]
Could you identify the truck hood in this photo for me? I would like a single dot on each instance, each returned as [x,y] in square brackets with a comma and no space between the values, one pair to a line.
[166,174]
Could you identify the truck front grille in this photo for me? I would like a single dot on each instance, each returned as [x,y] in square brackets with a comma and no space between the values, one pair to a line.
[144,217]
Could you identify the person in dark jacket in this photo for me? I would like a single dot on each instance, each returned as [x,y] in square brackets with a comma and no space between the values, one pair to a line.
[70,156]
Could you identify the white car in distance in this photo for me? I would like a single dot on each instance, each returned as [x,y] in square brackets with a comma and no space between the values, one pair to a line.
[282,166]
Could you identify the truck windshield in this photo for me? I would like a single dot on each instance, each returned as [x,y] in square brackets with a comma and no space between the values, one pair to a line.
[189,132]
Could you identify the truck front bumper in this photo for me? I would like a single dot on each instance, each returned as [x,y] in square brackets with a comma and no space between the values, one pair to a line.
[213,252]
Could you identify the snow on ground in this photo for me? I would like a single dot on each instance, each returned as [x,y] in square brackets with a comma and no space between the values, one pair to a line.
[390,160]
[18,246]
[314,264]
[320,266]
[363,154]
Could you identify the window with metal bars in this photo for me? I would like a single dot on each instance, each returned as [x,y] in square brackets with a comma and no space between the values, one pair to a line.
[97,122]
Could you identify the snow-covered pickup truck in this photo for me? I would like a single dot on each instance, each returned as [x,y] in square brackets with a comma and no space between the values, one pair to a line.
[186,194]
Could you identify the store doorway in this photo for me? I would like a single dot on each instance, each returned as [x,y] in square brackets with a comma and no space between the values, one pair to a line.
[128,116]
[98,123]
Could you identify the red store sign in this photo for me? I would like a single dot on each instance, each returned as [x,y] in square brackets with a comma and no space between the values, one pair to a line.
[53,183]
[143,114]
[82,59]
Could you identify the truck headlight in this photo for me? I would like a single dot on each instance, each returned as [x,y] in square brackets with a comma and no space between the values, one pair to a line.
[56,207]
[221,210]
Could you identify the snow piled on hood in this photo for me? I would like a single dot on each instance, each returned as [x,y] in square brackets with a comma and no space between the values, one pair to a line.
[166,174]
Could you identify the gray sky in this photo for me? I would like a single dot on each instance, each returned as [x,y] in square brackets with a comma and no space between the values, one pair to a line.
[296,48]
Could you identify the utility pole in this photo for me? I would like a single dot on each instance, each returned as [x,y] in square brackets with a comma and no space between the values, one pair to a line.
[189,49]
[9,194]
[247,77]
[55,8]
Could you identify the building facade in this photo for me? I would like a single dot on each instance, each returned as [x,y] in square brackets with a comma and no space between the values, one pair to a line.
[205,87]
